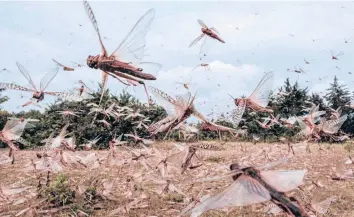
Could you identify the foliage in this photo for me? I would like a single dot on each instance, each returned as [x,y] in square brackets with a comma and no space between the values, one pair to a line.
[337,95]
[3,114]
[290,100]
[58,192]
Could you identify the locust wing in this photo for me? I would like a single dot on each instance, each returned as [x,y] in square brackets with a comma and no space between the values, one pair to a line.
[284,181]
[202,23]
[263,90]
[236,114]
[242,192]
[164,100]
[196,40]
[93,20]
[26,74]
[47,78]
[13,129]
[332,126]
[132,47]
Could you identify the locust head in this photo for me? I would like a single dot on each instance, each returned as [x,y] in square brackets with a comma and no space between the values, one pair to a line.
[235,166]
[238,101]
[92,62]
[39,96]
[206,31]
[36,95]
[238,170]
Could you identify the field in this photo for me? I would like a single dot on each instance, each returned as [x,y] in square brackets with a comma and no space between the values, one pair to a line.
[126,188]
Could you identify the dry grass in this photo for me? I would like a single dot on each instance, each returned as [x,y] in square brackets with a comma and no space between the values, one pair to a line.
[318,163]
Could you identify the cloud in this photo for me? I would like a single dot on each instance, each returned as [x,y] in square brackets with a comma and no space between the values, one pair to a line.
[34,32]
[212,86]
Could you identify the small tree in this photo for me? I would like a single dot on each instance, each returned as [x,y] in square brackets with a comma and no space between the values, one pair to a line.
[292,100]
[318,100]
[337,95]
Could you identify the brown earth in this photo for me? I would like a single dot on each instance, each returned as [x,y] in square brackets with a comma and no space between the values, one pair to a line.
[319,163]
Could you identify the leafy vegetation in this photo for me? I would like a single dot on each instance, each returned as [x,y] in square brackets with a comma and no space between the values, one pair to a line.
[291,102]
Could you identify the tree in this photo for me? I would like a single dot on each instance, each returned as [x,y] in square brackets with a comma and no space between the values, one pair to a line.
[291,101]
[337,95]
[3,98]
[318,100]
[3,114]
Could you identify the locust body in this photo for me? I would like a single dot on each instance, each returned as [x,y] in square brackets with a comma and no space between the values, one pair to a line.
[210,33]
[252,105]
[277,197]
[109,64]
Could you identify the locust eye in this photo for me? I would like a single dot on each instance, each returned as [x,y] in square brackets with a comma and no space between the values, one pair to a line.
[234,166]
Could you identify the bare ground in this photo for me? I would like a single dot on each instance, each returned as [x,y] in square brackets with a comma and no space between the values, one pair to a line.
[319,163]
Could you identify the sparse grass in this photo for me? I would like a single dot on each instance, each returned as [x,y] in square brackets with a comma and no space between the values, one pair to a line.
[349,147]
[175,197]
[214,159]
[58,192]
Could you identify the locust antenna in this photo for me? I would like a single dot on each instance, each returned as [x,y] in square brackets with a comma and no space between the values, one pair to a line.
[232,97]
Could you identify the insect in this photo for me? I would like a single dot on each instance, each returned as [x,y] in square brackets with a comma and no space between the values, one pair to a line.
[254,185]
[11,132]
[178,110]
[141,123]
[185,85]
[259,99]
[59,141]
[138,139]
[131,50]
[83,92]
[68,113]
[346,40]
[207,33]
[206,66]
[65,68]
[22,119]
[38,95]
[306,61]
[134,115]
[297,70]
[335,55]
[234,117]
[335,113]
[107,112]
[264,124]
[77,64]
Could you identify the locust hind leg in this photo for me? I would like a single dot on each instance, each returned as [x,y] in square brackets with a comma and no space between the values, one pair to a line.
[285,208]
[147,94]
[27,103]
[167,134]
[12,155]
[301,207]
[13,158]
[10,152]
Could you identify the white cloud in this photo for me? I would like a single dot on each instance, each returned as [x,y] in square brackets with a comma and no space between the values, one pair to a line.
[34,32]
[213,87]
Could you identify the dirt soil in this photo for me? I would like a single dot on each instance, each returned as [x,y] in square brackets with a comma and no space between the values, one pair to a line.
[131,183]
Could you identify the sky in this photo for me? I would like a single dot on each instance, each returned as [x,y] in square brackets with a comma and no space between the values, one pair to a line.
[260,37]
